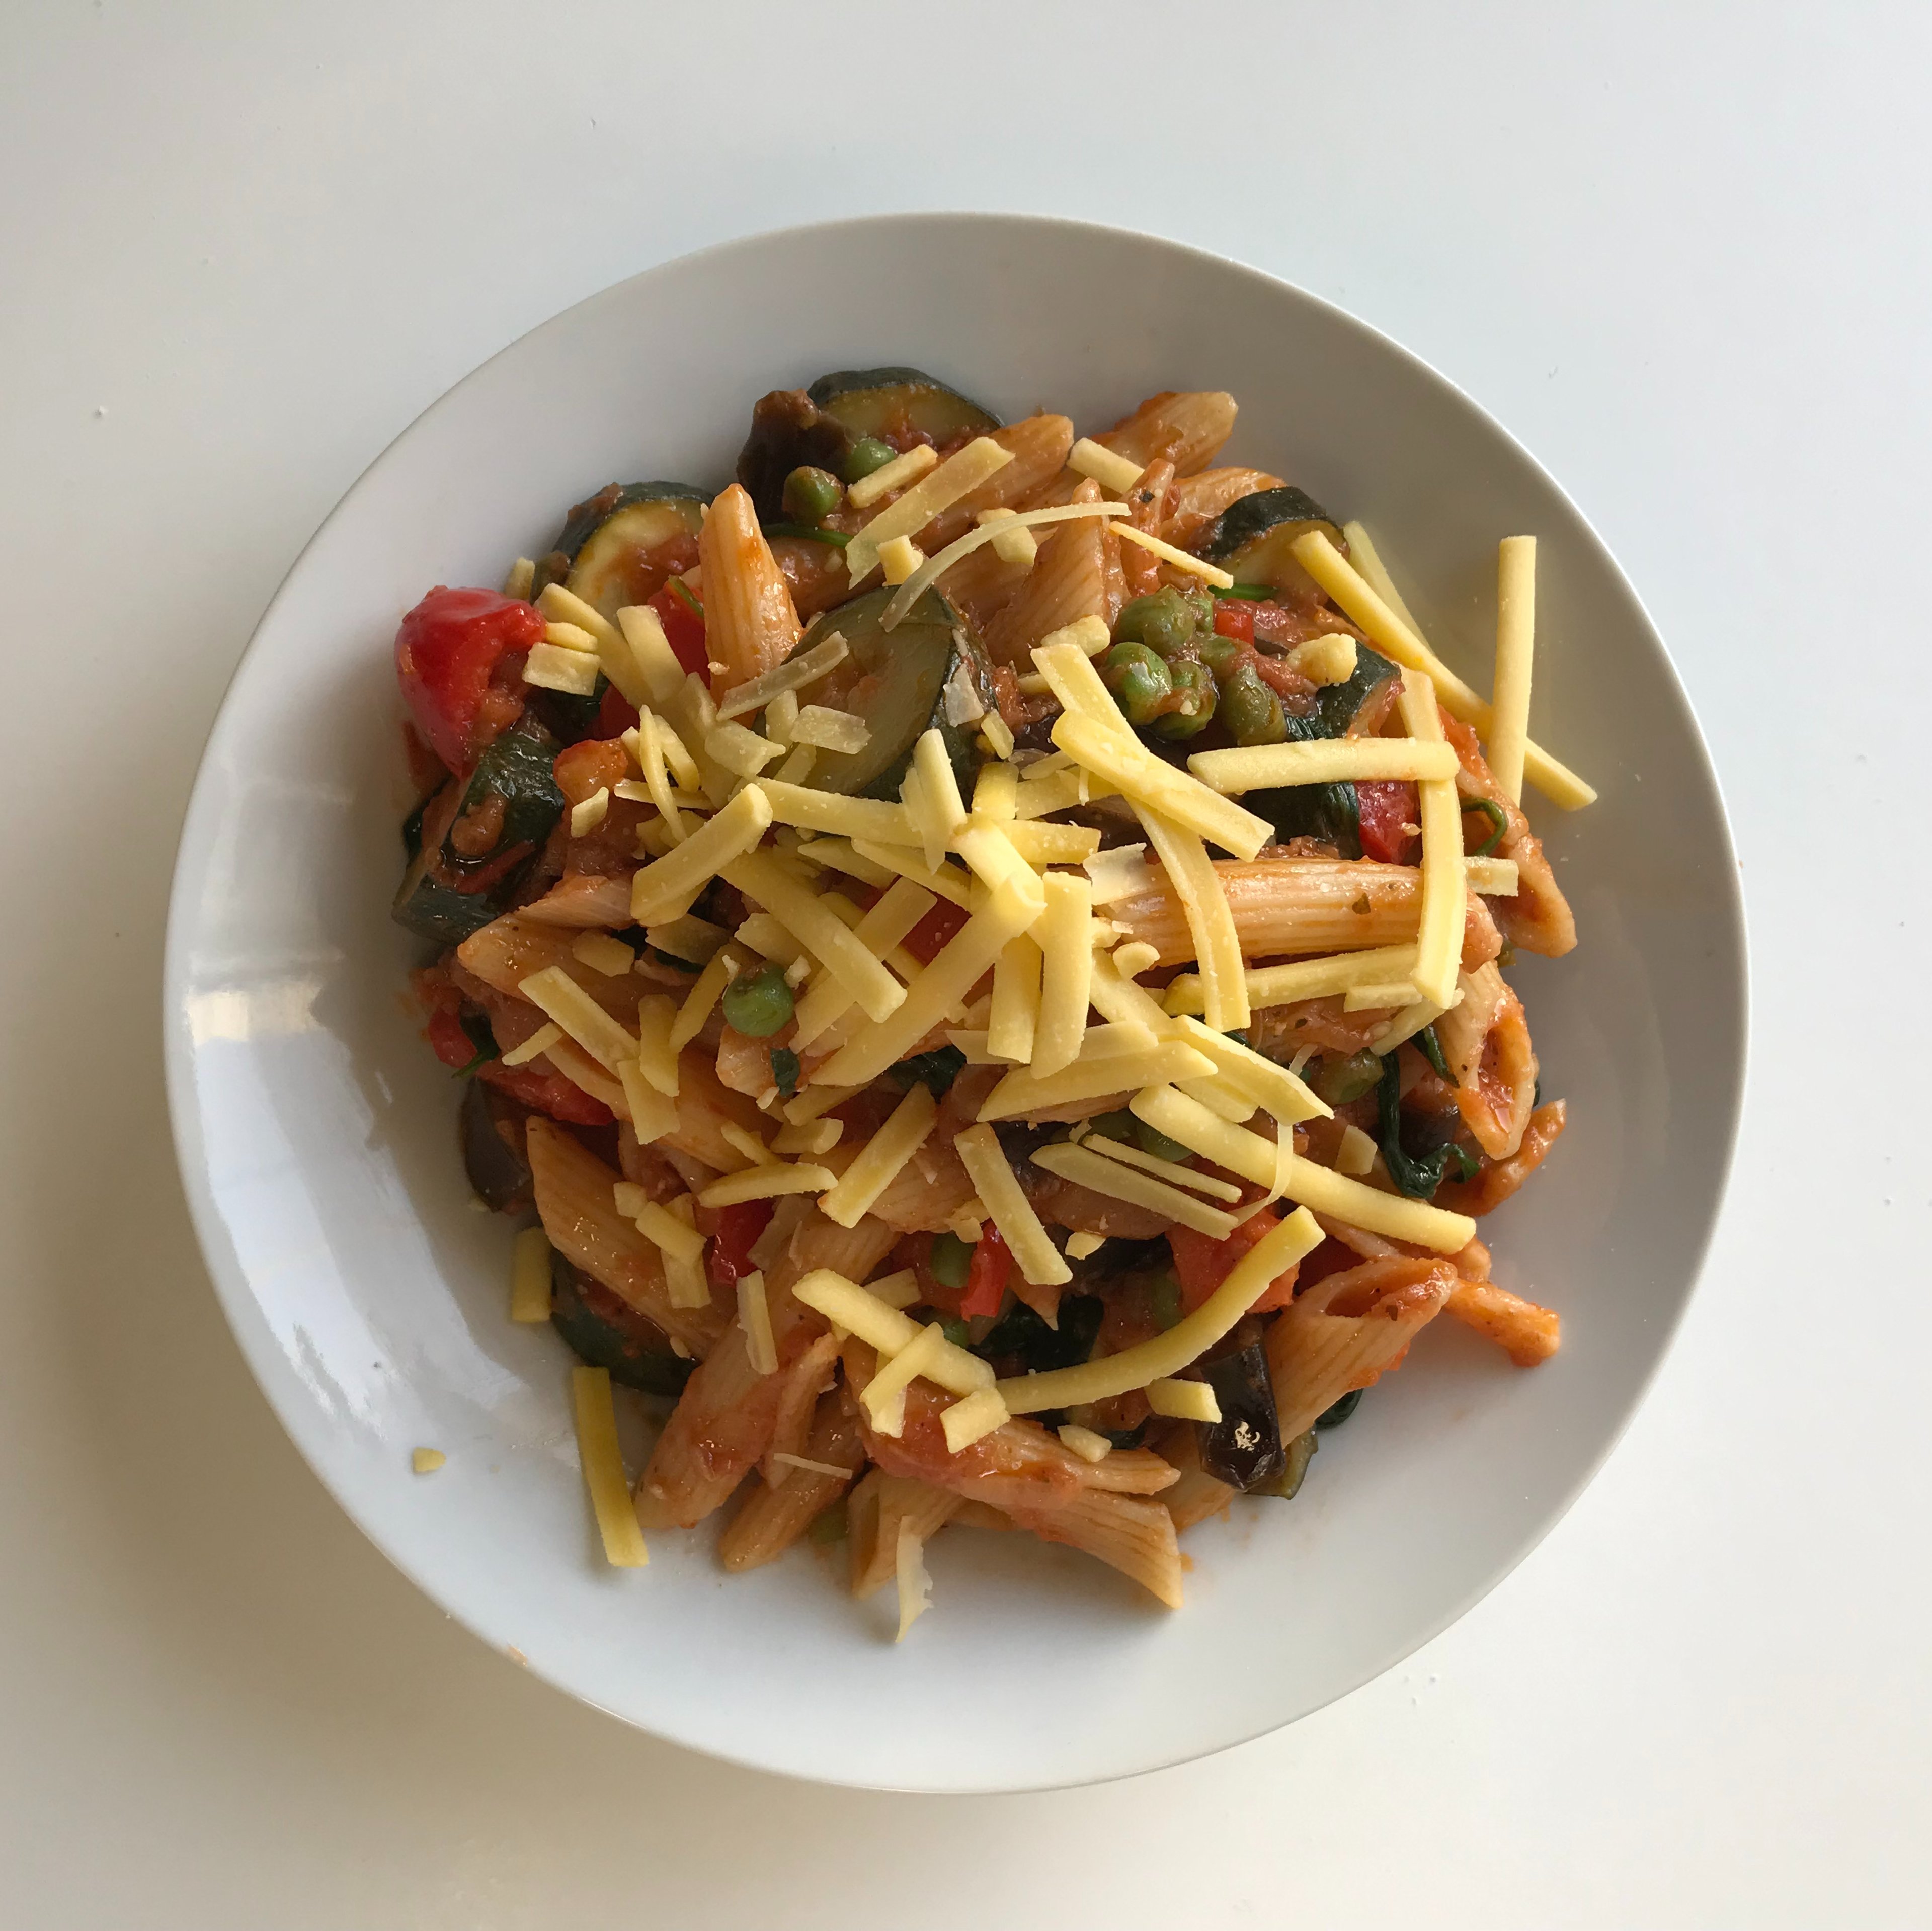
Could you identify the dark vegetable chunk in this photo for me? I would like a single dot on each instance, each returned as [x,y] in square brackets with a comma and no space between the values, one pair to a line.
[605,1331]
[618,546]
[1253,539]
[1296,1455]
[1333,1417]
[1243,1448]
[1020,1338]
[491,1125]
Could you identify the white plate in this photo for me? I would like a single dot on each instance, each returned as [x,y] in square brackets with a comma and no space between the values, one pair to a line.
[315,1133]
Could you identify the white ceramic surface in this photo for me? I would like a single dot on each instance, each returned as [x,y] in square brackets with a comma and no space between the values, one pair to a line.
[315,1137]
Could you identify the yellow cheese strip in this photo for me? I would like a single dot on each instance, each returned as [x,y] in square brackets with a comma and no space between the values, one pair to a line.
[741,751]
[569,636]
[1217,945]
[1125,761]
[652,1114]
[1322,761]
[604,954]
[870,818]
[522,575]
[551,667]
[672,880]
[1059,790]
[748,1146]
[654,739]
[1273,1086]
[1064,936]
[565,607]
[1438,938]
[1195,566]
[1306,978]
[837,854]
[1395,639]
[815,1101]
[602,1461]
[948,882]
[1492,877]
[586,816]
[657,1057]
[1221,1096]
[754,1317]
[686,1282]
[996,734]
[662,1228]
[558,996]
[1120,999]
[1169,1170]
[895,474]
[1083,1442]
[787,1460]
[1088,1169]
[846,957]
[884,1397]
[967,957]
[897,1289]
[1051,845]
[1184,1343]
[994,1181]
[535,1046]
[966,1422]
[943,808]
[705,993]
[676,756]
[830,731]
[992,856]
[996,792]
[1324,660]
[764,935]
[879,1160]
[1064,660]
[1108,467]
[909,592]
[1015,1013]
[815,1138]
[1368,997]
[901,906]
[1516,643]
[427,1461]
[1327,1192]
[529,1277]
[899,556]
[961,473]
[1017,545]
[765,1183]
[784,680]
[1409,1021]
[1024,1091]
[651,652]
[1135,958]
[1184,1400]
[1356,1155]
[846,1305]
[1362,554]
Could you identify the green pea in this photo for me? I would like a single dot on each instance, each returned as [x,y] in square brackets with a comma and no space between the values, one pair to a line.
[1138,680]
[1220,654]
[865,456]
[1200,600]
[951,1260]
[1163,621]
[811,495]
[1338,1082]
[1194,684]
[1249,710]
[1151,1140]
[759,1003]
[958,1333]
[1166,1302]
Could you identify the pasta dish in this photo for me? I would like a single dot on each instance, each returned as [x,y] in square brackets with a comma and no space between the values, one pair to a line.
[979,953]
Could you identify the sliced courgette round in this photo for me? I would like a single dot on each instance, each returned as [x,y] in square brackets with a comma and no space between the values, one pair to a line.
[1252,538]
[609,550]
[896,682]
[518,766]
[816,426]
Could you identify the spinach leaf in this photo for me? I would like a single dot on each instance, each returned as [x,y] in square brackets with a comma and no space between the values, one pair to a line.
[1417,1177]
[935,1071]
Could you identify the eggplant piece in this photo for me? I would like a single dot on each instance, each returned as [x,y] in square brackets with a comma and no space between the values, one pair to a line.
[604,553]
[897,682]
[795,428]
[606,1332]
[1297,1454]
[491,1127]
[1243,1448]
[517,768]
[1333,1417]
[1022,1339]
[1253,538]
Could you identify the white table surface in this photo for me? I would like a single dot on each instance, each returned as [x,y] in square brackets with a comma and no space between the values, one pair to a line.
[1679,250]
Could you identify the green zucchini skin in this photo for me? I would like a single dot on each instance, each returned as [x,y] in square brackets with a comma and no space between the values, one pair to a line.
[1253,537]
[488,1123]
[913,663]
[1327,811]
[518,766]
[598,551]
[604,1332]
[816,426]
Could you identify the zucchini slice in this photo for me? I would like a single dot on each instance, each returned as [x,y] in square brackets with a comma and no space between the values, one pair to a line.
[610,551]
[897,683]
[603,1330]
[818,425]
[517,768]
[491,1125]
[1252,538]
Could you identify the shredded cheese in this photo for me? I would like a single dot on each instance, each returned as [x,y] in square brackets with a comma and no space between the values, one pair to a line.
[754,1317]
[996,792]
[1018,546]
[569,636]
[551,667]
[611,957]
[663,1229]
[1167,1354]
[901,861]
[1014,1015]
[900,1290]
[1322,761]
[1306,978]
[1120,758]
[1064,937]
[674,879]
[782,680]
[897,910]
[1438,941]
[1395,639]
[1356,1155]
[522,575]
[815,1138]
[816,1101]
[988,1167]
[1108,468]
[652,1114]
[535,1046]
[879,1162]
[1121,872]
[846,957]
[1180,559]
[1516,644]
[967,1421]
[929,572]
[686,1284]
[587,817]
[602,1461]
[554,992]
[706,992]
[1024,1091]
[870,818]
[1084,1246]
[1271,1085]
[748,1146]
[1169,1170]
[1492,877]
[529,1277]
[1369,998]
[827,729]
[650,650]
[1088,1169]
[961,473]
[765,1183]
[899,556]
[741,751]
[1084,1443]
[427,1461]
[1217,945]
[884,1397]
[1330,659]
[1184,1400]
[846,1305]
[888,477]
